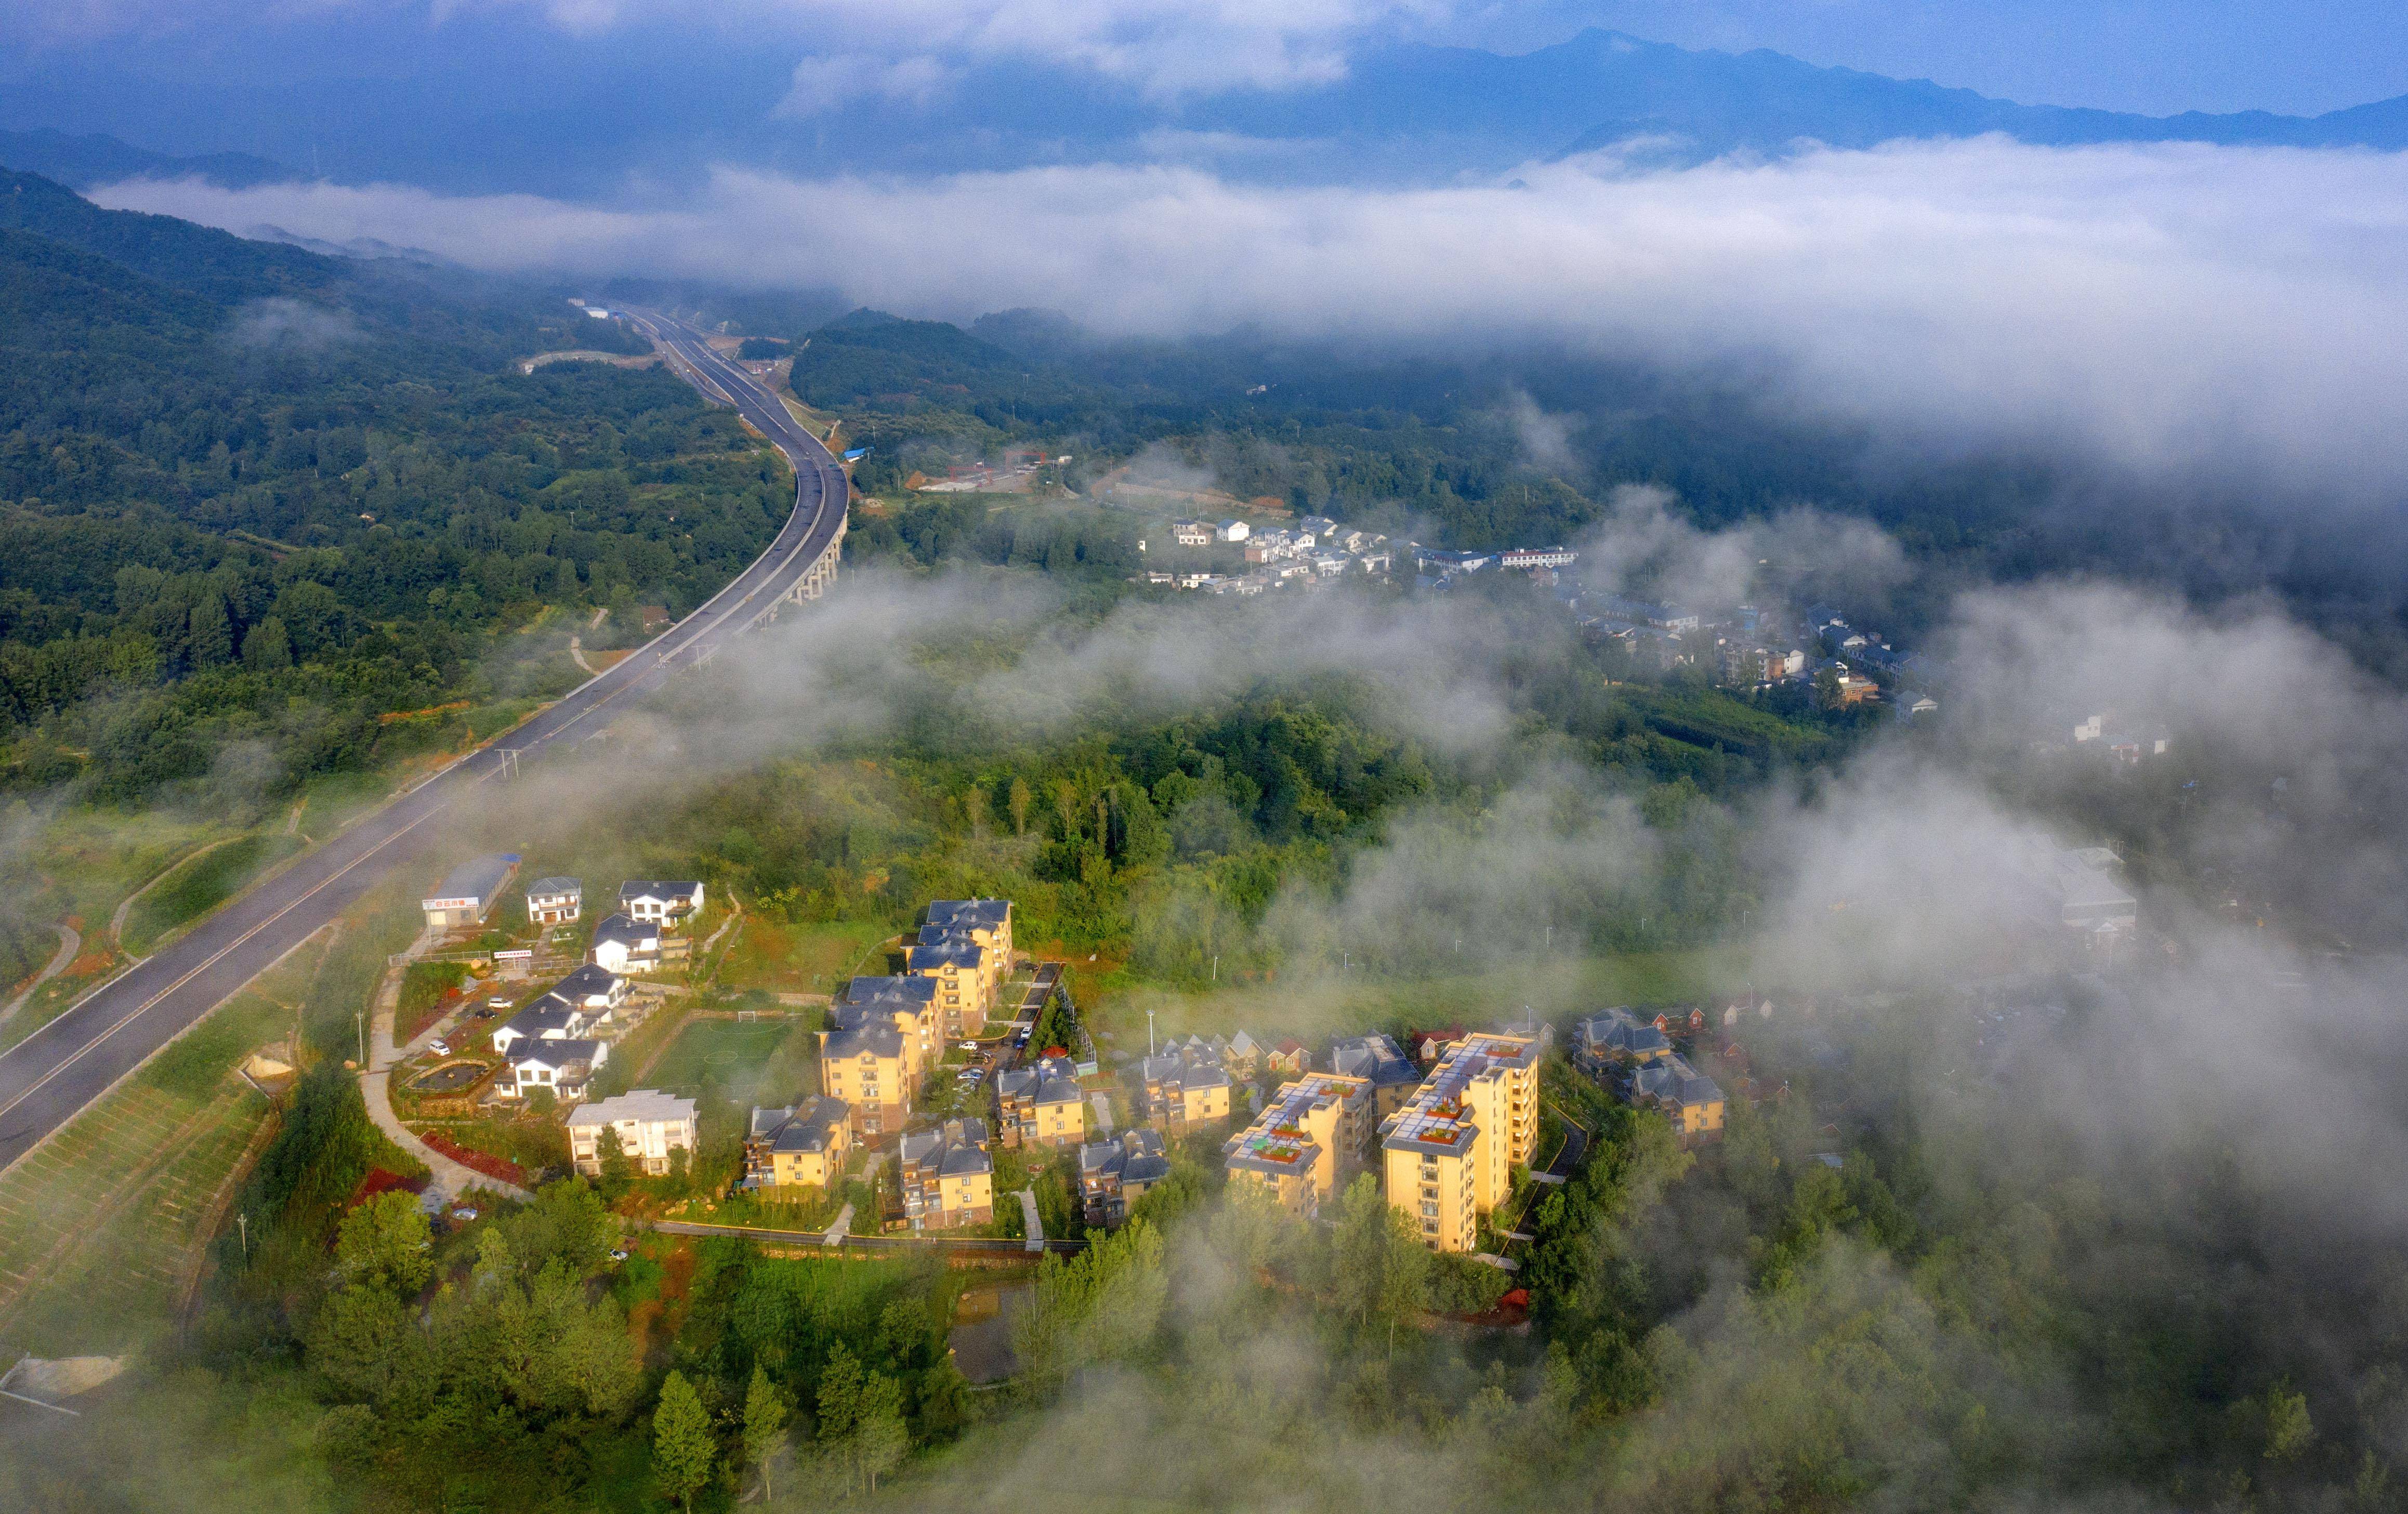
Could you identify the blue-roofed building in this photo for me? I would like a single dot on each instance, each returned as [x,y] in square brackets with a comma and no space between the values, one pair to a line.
[469,892]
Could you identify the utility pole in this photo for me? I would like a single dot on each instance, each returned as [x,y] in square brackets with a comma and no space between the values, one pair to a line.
[1149,1033]
[242,1223]
[1216,968]
[360,1019]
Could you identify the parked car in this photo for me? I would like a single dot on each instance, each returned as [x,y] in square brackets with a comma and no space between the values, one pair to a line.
[440,1047]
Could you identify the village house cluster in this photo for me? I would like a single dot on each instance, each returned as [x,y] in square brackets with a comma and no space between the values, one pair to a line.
[558,1041]
[1636,1058]
[884,1037]
[1317,550]
[554,1043]
[1443,1129]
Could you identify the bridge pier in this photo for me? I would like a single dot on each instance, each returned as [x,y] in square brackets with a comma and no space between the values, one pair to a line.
[814,581]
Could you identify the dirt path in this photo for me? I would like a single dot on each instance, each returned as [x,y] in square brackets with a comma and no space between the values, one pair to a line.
[70,942]
[577,652]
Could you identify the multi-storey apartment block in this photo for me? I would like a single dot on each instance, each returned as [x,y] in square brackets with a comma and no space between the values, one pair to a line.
[987,921]
[803,1147]
[964,977]
[1449,1152]
[1310,1138]
[948,1177]
[905,1005]
[867,1068]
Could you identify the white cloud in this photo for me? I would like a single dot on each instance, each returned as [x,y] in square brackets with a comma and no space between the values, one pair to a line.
[2176,308]
[823,85]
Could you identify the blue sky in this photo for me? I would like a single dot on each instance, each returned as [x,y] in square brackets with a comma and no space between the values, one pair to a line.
[2145,55]
[2124,54]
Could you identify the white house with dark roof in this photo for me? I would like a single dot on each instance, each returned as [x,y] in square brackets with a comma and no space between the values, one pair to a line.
[597,991]
[564,1067]
[555,901]
[660,902]
[623,944]
[541,1021]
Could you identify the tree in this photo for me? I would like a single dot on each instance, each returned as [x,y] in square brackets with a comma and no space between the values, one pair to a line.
[211,631]
[618,1170]
[266,648]
[2288,1429]
[1378,1267]
[765,1425]
[861,1434]
[364,1343]
[879,1436]
[1018,800]
[385,1243]
[1827,689]
[683,1447]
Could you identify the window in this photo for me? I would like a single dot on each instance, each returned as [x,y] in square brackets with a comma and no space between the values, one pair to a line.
[1429,1211]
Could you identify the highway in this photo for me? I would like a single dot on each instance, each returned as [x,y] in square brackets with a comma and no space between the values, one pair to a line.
[46,1078]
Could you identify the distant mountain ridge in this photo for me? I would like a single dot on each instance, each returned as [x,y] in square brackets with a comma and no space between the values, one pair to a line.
[1403,114]
[81,161]
[218,266]
[1602,88]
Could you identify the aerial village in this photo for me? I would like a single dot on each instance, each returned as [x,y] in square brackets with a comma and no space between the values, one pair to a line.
[973,1054]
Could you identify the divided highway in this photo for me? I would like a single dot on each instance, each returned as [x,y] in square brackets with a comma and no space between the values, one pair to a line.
[66,1064]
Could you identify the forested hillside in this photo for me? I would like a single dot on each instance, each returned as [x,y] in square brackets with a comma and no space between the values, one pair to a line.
[249,491]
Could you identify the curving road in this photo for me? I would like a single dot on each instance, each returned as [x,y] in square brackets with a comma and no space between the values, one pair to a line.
[53,1073]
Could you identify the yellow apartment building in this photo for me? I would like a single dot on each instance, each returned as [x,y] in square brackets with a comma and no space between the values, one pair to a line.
[909,1005]
[948,1176]
[803,1147]
[868,1069]
[1180,1094]
[1312,1136]
[1448,1154]
[964,977]
[987,921]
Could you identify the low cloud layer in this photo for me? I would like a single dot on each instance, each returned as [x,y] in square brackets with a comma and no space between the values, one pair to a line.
[2180,310]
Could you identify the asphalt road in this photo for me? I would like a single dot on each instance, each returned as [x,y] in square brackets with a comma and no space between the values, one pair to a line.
[53,1073]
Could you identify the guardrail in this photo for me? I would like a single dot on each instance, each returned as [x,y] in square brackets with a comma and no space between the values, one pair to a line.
[993,1246]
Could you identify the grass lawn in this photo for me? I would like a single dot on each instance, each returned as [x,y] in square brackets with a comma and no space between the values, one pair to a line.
[800,958]
[201,884]
[764,1060]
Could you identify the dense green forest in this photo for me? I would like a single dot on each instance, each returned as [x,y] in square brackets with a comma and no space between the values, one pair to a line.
[251,494]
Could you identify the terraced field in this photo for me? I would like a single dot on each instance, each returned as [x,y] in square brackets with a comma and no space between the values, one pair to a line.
[99,1230]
